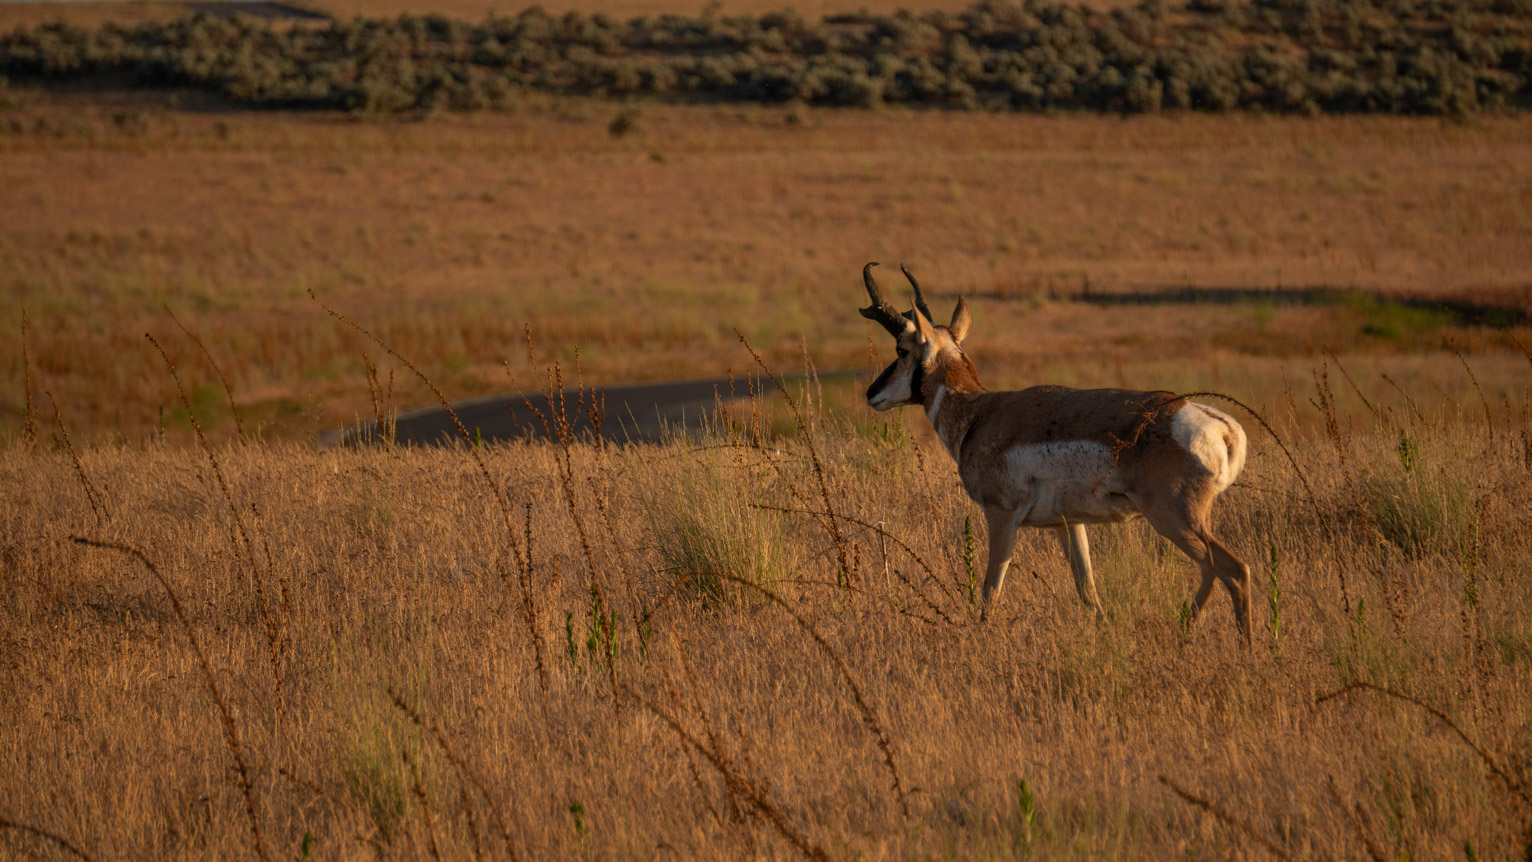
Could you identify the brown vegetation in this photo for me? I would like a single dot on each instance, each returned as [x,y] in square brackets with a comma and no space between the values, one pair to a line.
[682,709]
[93,14]
[449,236]
[1446,57]
[762,642]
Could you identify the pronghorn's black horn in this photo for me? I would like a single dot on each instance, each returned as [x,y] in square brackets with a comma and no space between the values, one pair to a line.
[880,311]
[920,301]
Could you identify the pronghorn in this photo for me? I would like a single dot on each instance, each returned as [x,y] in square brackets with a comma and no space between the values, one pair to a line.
[1050,456]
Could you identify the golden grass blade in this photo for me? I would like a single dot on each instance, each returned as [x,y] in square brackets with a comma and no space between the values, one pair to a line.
[230,732]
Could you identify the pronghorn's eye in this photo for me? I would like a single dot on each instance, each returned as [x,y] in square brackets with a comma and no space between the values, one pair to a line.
[901,352]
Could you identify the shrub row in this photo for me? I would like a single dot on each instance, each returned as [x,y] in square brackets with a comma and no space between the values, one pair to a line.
[1395,56]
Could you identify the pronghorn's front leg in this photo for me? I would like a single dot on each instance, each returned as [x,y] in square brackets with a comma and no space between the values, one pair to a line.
[1077,550]
[1002,524]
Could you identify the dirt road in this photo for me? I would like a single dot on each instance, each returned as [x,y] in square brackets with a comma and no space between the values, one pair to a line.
[636,412]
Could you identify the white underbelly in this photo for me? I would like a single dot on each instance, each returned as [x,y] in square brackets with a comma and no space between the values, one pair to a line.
[1051,484]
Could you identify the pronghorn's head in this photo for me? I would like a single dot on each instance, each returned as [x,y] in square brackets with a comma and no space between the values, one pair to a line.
[923,350]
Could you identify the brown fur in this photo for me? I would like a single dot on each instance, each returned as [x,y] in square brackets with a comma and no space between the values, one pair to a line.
[1148,473]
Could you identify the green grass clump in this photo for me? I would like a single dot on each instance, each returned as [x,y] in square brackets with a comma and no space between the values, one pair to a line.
[701,510]
[1419,504]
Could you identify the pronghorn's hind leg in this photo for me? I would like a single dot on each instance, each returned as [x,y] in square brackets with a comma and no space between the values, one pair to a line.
[1236,579]
[1077,551]
[1002,525]
[1185,524]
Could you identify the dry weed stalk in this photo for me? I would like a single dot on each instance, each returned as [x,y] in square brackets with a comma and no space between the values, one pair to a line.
[557,426]
[604,509]
[228,390]
[489,483]
[841,553]
[1354,388]
[383,413]
[1489,423]
[1333,431]
[737,782]
[1149,416]
[564,434]
[1353,819]
[283,581]
[1292,403]
[468,774]
[731,792]
[230,732]
[868,717]
[417,788]
[240,536]
[880,531]
[1471,624]
[702,791]
[927,477]
[528,606]
[1519,346]
[1225,818]
[1414,408]
[97,502]
[7,823]
[1513,784]
[29,429]
[466,803]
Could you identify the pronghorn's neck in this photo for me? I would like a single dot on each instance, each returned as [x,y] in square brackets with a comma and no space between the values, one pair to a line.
[944,404]
[935,407]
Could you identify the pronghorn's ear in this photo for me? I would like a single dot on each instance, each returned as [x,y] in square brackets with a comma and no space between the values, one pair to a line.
[961,319]
[923,328]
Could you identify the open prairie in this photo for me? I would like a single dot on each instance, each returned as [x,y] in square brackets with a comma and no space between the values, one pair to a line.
[221,637]
[554,650]
[645,250]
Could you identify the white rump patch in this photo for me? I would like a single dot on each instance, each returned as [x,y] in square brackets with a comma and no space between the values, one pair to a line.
[1214,439]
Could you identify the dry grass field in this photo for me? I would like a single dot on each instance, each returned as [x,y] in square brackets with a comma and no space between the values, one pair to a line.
[634,652]
[644,250]
[757,640]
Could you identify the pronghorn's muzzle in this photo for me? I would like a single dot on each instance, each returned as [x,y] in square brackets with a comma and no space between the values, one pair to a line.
[877,393]
[882,381]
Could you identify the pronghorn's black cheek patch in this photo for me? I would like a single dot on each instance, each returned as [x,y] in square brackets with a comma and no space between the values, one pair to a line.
[882,381]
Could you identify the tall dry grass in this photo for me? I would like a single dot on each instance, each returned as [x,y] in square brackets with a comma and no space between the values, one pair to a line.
[791,715]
